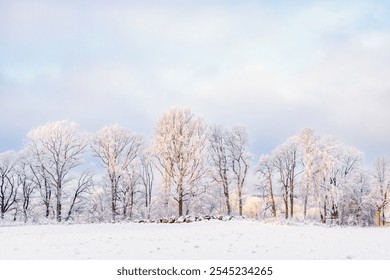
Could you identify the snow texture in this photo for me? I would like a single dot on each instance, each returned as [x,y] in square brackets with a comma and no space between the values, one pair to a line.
[201,240]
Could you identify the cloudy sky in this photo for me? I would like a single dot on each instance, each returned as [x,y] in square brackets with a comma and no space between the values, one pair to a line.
[273,66]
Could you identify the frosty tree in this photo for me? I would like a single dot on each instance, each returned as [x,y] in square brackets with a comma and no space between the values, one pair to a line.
[356,203]
[178,146]
[337,165]
[381,189]
[25,183]
[309,144]
[285,159]
[265,171]
[40,178]
[118,150]
[8,185]
[237,147]
[84,187]
[220,164]
[147,182]
[58,148]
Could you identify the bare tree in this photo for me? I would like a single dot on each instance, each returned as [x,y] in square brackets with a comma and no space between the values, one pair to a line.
[58,147]
[128,190]
[285,159]
[356,204]
[147,181]
[237,145]
[25,183]
[41,179]
[337,164]
[309,144]
[84,187]
[265,170]
[381,190]
[117,148]
[178,146]
[219,161]
[8,185]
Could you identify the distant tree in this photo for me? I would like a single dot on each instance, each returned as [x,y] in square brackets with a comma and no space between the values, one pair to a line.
[58,148]
[381,188]
[310,147]
[128,189]
[117,149]
[179,146]
[147,181]
[84,188]
[265,172]
[237,146]
[27,187]
[40,178]
[8,185]
[356,204]
[220,162]
[337,165]
[285,159]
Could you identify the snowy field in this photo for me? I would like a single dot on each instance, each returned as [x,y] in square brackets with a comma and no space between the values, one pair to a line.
[200,240]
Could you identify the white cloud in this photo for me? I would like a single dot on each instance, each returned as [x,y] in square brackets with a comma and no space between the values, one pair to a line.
[271,67]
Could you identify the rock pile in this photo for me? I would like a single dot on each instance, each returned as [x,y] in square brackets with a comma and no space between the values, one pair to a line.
[189,219]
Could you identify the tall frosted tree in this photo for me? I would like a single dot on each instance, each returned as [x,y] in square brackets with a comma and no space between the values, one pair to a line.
[309,144]
[58,148]
[237,147]
[179,146]
[8,186]
[285,159]
[147,182]
[220,164]
[26,185]
[118,150]
[336,166]
[381,188]
[265,172]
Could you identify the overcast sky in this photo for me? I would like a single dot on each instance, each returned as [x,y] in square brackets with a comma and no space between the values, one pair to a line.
[272,66]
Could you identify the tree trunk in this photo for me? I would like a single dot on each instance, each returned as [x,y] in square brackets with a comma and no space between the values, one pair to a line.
[286,207]
[383,210]
[113,199]
[180,206]
[47,210]
[59,197]
[25,216]
[2,207]
[378,216]
[305,201]
[383,216]
[305,207]
[272,201]
[323,215]
[25,208]
[240,202]
[58,211]
[16,214]
[71,208]
[291,183]
[226,190]
[147,202]
[180,200]
[286,201]
[131,203]
[226,193]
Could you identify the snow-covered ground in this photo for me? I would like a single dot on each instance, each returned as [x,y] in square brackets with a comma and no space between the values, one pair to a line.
[200,240]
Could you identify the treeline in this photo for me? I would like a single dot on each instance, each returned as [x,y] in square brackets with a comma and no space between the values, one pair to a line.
[188,168]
